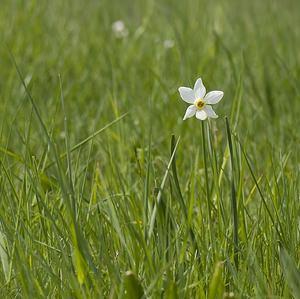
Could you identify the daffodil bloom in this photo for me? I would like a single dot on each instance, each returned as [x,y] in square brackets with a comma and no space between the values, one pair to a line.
[200,100]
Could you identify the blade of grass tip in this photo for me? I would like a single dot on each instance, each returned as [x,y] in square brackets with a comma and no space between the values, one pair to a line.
[159,195]
[182,203]
[236,107]
[89,138]
[208,199]
[280,236]
[233,197]
[83,142]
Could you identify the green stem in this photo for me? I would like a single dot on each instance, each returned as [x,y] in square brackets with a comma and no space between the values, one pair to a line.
[209,207]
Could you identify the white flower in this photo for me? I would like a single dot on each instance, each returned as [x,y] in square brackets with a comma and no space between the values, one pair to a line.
[168,43]
[119,29]
[200,100]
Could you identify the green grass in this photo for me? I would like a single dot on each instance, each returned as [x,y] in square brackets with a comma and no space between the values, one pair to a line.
[106,193]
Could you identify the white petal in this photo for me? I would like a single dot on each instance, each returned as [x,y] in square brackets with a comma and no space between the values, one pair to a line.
[210,111]
[190,112]
[199,89]
[187,94]
[213,97]
[201,114]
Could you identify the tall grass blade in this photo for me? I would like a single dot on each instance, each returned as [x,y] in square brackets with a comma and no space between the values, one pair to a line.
[233,198]
[181,200]
[159,195]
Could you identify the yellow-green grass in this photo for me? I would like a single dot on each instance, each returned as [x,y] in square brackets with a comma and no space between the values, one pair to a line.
[106,193]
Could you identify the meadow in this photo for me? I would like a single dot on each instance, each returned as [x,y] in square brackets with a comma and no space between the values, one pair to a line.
[105,192]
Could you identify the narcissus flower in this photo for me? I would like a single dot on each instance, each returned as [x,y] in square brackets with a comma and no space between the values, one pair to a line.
[200,100]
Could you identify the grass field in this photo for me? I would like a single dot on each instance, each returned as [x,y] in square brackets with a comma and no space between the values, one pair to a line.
[105,192]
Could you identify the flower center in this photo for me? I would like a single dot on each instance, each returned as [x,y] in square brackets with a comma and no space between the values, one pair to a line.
[199,104]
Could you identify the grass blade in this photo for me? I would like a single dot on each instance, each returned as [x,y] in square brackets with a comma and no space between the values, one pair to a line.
[159,195]
[181,200]
[291,272]
[233,198]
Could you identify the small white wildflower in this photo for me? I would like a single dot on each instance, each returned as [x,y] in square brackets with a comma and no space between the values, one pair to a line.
[119,29]
[200,101]
[168,43]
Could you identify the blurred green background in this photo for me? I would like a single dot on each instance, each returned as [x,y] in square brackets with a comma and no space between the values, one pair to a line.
[227,43]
